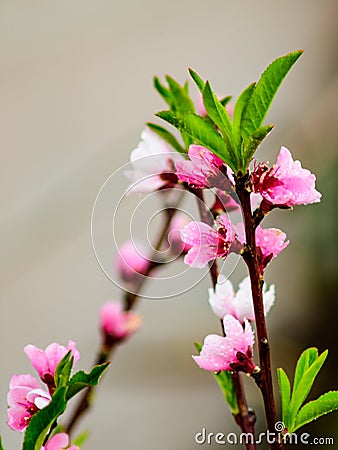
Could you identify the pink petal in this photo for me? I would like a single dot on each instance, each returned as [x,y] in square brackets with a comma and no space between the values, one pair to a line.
[38,359]
[18,396]
[58,442]
[198,257]
[75,352]
[54,353]
[24,380]
[39,398]
[215,354]
[18,418]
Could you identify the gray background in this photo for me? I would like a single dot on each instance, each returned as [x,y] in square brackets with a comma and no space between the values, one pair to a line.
[76,89]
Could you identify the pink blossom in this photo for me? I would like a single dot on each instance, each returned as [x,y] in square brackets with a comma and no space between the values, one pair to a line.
[25,398]
[270,242]
[59,441]
[286,183]
[177,246]
[232,352]
[207,243]
[223,300]
[153,164]
[46,361]
[202,169]
[131,261]
[116,323]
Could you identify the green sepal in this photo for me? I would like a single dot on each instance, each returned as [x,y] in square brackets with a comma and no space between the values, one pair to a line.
[252,142]
[41,422]
[63,370]
[81,438]
[201,132]
[80,380]
[166,136]
[285,391]
[219,115]
[264,92]
[324,404]
[225,382]
[304,386]
[197,79]
[164,92]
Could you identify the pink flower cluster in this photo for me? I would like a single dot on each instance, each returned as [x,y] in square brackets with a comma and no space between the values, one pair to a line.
[285,185]
[25,397]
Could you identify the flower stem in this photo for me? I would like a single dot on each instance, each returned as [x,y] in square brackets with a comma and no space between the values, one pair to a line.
[245,418]
[265,379]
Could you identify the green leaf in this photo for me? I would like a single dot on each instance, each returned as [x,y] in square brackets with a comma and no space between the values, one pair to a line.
[63,370]
[1,446]
[217,112]
[81,379]
[225,382]
[238,111]
[304,386]
[164,92]
[81,439]
[306,359]
[201,132]
[265,90]
[166,136]
[285,390]
[311,411]
[252,142]
[41,422]
[182,101]
[225,100]
[197,79]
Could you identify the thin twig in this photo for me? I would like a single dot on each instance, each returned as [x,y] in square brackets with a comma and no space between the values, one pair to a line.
[130,299]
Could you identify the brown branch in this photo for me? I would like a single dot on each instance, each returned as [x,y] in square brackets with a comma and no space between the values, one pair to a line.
[250,256]
[130,298]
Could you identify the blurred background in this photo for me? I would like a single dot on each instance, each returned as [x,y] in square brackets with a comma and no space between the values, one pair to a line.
[76,90]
